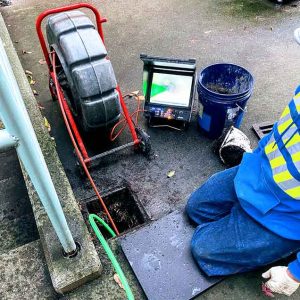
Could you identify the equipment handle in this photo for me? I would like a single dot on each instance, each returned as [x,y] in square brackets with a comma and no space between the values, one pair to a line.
[48,12]
[242,109]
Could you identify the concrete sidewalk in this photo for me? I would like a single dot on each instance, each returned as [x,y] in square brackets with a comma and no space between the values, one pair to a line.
[252,33]
[66,274]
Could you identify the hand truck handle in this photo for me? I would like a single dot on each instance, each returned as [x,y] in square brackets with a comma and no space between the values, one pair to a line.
[48,12]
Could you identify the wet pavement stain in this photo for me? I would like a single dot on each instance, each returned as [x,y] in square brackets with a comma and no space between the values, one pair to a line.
[255,8]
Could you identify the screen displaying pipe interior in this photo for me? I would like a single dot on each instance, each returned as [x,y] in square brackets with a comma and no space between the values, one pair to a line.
[170,89]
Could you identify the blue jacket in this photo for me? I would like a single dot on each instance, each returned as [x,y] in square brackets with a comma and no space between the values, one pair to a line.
[262,198]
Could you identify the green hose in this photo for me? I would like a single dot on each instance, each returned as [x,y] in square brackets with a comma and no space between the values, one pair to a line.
[109,253]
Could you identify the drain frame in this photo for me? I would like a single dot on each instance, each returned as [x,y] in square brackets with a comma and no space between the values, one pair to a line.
[262,129]
[91,205]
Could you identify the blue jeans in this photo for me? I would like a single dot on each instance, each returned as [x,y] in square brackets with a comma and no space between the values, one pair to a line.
[227,240]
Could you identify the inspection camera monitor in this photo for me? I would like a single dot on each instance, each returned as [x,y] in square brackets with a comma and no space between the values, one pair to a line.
[168,86]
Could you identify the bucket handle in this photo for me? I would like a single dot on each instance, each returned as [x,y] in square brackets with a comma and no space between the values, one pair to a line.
[242,109]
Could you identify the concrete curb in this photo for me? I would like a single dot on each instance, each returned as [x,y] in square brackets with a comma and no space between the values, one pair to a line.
[66,274]
[24,275]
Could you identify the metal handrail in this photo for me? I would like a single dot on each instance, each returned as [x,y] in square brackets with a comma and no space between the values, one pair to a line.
[18,128]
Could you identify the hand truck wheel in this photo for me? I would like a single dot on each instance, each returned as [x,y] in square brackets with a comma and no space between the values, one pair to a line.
[84,73]
[145,144]
[52,90]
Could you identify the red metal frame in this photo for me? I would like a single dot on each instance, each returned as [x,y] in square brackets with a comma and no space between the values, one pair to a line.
[56,91]
[48,12]
[70,118]
[61,101]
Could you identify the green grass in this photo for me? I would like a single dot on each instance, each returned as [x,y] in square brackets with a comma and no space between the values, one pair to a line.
[249,8]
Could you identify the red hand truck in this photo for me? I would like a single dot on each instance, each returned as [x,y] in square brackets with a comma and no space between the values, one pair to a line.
[140,139]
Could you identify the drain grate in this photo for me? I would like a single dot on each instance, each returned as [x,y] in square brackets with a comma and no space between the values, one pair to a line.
[262,129]
[124,207]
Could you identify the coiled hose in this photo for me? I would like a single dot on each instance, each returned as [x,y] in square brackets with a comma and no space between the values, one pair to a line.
[111,256]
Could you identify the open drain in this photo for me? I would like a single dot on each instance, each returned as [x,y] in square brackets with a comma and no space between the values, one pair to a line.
[124,207]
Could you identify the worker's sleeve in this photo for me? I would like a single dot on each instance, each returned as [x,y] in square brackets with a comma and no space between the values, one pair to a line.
[294,267]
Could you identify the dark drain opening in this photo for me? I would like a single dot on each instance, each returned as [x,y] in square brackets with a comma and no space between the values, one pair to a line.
[124,208]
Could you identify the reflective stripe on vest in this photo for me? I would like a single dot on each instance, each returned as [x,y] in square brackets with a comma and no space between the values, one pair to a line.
[289,139]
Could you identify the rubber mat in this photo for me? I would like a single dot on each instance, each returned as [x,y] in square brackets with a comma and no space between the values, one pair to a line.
[160,257]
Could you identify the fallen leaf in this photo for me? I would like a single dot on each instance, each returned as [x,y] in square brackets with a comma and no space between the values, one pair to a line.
[259,18]
[35,92]
[28,72]
[30,79]
[26,52]
[141,98]
[171,174]
[118,281]
[135,93]
[267,292]
[47,124]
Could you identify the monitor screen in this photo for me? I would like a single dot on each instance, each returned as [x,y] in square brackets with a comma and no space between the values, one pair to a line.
[171,89]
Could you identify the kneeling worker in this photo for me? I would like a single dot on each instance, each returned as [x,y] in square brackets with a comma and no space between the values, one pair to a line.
[249,216]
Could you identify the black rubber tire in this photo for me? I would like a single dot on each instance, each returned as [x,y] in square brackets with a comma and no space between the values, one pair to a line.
[88,76]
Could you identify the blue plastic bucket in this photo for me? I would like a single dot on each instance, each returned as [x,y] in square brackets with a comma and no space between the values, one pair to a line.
[223,90]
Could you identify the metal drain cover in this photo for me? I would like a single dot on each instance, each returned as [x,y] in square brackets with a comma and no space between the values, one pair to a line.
[159,254]
[262,129]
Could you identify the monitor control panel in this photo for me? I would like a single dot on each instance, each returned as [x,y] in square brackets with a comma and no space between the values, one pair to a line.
[168,113]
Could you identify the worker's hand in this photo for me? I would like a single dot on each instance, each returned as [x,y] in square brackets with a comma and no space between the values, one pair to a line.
[281,281]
